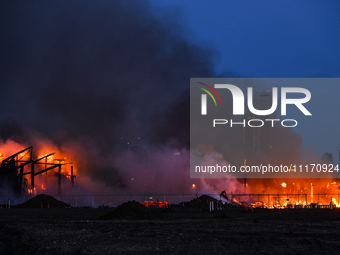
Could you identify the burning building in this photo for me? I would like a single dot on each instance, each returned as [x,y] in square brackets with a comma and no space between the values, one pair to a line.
[15,168]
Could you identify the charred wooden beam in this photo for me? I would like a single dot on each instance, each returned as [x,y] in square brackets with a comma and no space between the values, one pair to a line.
[59,180]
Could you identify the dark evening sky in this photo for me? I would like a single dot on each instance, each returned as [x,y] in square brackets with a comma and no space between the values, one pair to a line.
[267,38]
[280,39]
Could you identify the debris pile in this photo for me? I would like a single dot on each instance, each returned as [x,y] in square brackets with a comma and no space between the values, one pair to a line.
[132,210]
[43,201]
[202,202]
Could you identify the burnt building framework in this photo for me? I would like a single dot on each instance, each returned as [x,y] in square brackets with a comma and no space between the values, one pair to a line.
[12,170]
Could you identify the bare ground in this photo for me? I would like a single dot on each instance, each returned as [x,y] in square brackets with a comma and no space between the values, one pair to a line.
[186,231]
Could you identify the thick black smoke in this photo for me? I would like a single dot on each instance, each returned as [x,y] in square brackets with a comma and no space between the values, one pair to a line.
[87,73]
[96,69]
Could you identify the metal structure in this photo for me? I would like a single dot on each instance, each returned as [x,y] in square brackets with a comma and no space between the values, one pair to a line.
[9,169]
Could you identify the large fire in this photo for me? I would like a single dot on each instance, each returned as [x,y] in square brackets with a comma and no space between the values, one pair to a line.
[49,162]
[290,193]
[53,171]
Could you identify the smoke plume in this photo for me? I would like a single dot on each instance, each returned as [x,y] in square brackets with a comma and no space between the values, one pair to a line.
[105,83]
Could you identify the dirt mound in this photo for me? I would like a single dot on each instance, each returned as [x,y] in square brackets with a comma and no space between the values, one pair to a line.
[202,202]
[132,210]
[43,201]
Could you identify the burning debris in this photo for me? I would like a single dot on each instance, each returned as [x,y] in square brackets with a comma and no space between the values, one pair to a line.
[43,201]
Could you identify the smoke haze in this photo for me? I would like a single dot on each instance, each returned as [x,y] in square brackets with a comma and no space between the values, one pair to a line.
[89,77]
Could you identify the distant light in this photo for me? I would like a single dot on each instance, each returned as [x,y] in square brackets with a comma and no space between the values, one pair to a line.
[284,185]
[193,185]
[177,153]
[132,179]
[138,137]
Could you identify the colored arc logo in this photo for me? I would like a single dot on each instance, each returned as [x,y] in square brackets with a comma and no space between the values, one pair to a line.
[208,92]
